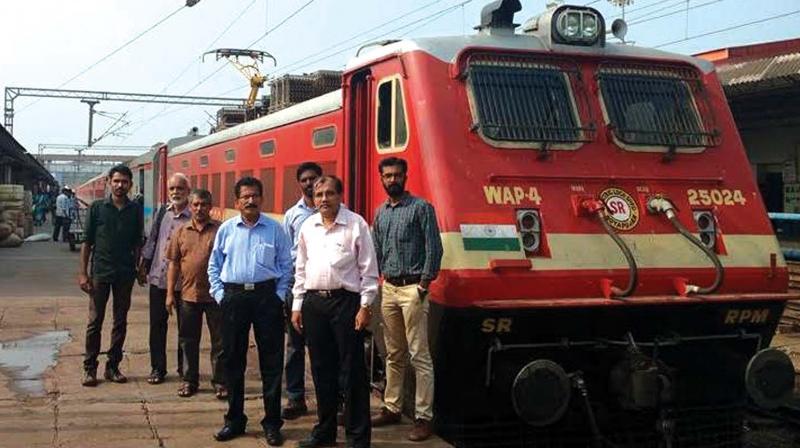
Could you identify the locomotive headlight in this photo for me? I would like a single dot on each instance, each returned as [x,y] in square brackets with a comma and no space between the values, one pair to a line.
[707,228]
[581,26]
[589,26]
[530,229]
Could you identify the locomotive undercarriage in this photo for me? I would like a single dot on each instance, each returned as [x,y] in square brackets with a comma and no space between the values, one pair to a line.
[622,376]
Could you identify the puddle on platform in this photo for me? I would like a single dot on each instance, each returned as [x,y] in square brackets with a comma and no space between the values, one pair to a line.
[25,360]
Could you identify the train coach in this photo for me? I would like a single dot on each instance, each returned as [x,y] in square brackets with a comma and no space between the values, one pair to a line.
[610,275]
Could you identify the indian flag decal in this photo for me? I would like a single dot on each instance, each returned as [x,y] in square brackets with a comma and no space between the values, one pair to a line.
[499,237]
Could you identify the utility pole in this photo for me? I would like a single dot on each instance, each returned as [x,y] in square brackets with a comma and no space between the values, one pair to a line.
[91,104]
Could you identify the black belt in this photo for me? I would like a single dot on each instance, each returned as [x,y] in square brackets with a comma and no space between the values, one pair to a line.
[250,286]
[328,293]
[403,280]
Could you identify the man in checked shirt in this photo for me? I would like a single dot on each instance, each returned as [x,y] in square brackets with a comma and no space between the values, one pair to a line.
[409,252]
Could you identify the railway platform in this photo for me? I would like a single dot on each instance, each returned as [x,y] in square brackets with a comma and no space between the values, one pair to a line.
[42,404]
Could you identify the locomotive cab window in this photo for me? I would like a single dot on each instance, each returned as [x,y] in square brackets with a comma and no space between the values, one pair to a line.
[392,129]
[655,109]
[524,103]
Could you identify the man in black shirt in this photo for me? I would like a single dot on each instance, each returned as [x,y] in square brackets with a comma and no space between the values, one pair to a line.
[113,241]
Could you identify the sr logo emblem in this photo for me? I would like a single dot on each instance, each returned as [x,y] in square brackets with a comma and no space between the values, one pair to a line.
[622,213]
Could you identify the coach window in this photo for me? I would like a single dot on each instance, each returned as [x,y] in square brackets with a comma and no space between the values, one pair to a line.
[230,155]
[392,128]
[323,137]
[203,161]
[267,148]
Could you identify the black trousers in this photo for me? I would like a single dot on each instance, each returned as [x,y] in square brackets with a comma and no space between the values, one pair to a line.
[97,311]
[336,350]
[159,324]
[61,225]
[190,332]
[263,310]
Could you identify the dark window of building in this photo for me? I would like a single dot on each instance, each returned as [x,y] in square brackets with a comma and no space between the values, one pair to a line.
[267,148]
[324,137]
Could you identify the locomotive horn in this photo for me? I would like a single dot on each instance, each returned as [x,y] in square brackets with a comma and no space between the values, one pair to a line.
[619,28]
[499,14]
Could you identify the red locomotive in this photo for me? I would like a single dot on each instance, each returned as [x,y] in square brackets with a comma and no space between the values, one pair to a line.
[610,276]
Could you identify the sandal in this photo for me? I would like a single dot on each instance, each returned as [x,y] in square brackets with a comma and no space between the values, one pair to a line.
[155,378]
[221,392]
[187,390]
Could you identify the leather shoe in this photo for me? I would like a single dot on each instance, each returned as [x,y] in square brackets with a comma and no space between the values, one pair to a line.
[385,417]
[421,431]
[313,442]
[274,437]
[227,433]
[294,409]
[114,375]
[89,378]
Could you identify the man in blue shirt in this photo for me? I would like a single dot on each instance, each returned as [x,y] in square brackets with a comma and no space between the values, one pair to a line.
[307,174]
[249,272]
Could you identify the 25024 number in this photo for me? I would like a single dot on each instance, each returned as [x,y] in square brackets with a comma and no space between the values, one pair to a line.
[716,197]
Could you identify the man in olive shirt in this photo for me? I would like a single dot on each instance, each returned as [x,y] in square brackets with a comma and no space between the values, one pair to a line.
[113,240]
[188,254]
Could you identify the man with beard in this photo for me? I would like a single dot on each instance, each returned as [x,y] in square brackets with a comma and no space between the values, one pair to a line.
[307,174]
[153,269]
[409,250]
[113,240]
[336,281]
[188,256]
[249,273]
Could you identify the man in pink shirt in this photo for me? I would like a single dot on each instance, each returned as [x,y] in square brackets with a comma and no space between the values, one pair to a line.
[336,281]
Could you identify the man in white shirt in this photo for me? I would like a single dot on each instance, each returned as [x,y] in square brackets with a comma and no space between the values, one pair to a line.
[336,281]
[63,221]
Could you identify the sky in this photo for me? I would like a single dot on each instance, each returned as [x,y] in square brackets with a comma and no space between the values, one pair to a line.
[47,42]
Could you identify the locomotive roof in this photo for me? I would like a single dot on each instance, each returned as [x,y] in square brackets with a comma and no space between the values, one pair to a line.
[316,106]
[448,48]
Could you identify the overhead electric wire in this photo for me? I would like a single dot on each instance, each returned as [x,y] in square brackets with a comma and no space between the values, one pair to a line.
[362,33]
[680,11]
[730,28]
[112,53]
[193,61]
[219,69]
[285,19]
[444,10]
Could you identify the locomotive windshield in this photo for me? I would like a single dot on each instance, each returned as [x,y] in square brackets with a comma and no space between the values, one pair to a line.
[653,107]
[518,101]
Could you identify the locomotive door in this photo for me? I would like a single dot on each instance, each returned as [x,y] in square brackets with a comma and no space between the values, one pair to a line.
[358,131]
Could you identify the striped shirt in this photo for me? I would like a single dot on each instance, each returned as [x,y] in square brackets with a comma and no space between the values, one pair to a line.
[407,239]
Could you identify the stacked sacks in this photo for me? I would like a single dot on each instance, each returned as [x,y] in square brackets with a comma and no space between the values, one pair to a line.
[12,215]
